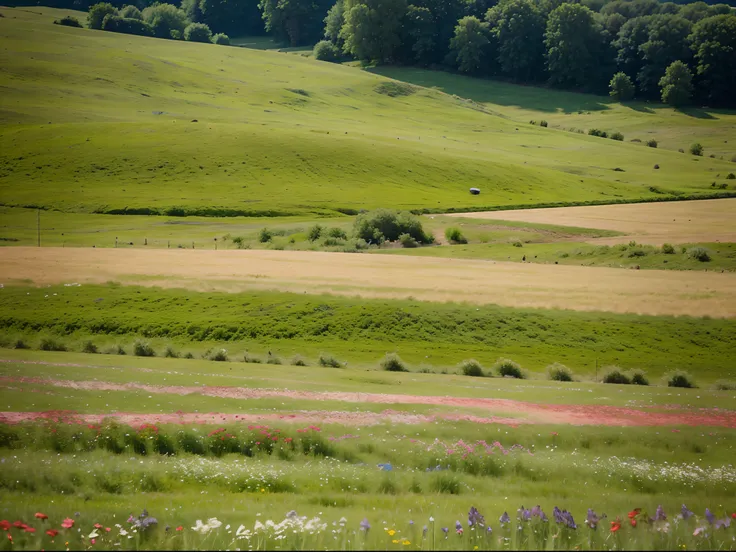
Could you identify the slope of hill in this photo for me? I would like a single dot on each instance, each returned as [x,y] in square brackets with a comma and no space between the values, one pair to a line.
[102,122]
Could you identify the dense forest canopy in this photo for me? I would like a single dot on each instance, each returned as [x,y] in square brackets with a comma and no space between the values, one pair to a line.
[679,53]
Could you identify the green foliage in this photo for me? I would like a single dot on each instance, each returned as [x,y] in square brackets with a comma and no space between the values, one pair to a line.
[170,352]
[469,46]
[408,241]
[119,350]
[189,356]
[273,360]
[621,87]
[97,13]
[724,385]
[325,50]
[68,21]
[696,149]
[338,233]
[638,377]
[652,143]
[165,19]
[617,136]
[543,124]
[221,39]
[393,363]
[131,12]
[20,344]
[298,360]
[218,355]
[265,235]
[614,374]
[680,378]
[334,21]
[668,249]
[559,372]
[329,361]
[506,367]
[677,85]
[518,29]
[599,133]
[247,357]
[713,41]
[315,232]
[89,347]
[383,224]
[699,253]
[117,24]
[297,22]
[730,176]
[395,89]
[51,344]
[198,32]
[372,28]
[666,42]
[454,235]
[471,367]
[143,349]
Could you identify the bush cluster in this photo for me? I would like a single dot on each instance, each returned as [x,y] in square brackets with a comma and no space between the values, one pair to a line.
[559,372]
[393,363]
[471,367]
[386,225]
[68,21]
[614,374]
[326,51]
[680,378]
[508,368]
[329,361]
[454,235]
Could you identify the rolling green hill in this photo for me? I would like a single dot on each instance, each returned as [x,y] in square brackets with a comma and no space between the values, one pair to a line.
[100,122]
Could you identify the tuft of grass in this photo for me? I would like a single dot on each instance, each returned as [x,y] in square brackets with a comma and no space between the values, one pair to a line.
[218,355]
[559,372]
[265,235]
[508,368]
[617,136]
[652,143]
[408,241]
[89,347]
[189,356]
[614,374]
[454,235]
[393,363]
[668,249]
[298,360]
[638,377]
[273,360]
[143,349]
[170,352]
[329,361]
[724,385]
[119,350]
[50,344]
[471,367]
[696,149]
[699,253]
[680,378]
[247,357]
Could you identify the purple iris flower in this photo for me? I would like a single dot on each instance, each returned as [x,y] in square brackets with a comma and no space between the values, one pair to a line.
[659,514]
[504,518]
[593,519]
[424,531]
[475,517]
[686,514]
[709,516]
[364,525]
[722,523]
[458,526]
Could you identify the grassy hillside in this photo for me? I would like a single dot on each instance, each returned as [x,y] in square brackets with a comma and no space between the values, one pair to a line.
[95,121]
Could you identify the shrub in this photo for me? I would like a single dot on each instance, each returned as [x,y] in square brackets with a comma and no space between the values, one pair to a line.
[656,167]
[337,233]
[636,253]
[614,374]
[517,243]
[384,224]
[165,19]
[131,12]
[174,34]
[119,350]
[652,143]
[543,124]
[681,150]
[251,359]
[407,241]
[621,87]
[20,344]
[680,378]
[668,249]
[506,367]
[143,349]
[218,355]
[329,361]
[97,14]
[189,356]
[315,232]
[559,372]
[68,21]
[273,360]
[89,347]
[617,136]
[676,84]
[326,51]
[393,363]
[471,367]
[297,360]
[599,133]
[50,344]
[117,24]
[639,377]
[696,149]
[171,353]
[333,242]
[731,176]
[699,253]
[454,235]
[198,32]
[221,38]
[724,385]
[265,235]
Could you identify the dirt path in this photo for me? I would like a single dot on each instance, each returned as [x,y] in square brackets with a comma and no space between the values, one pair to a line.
[392,276]
[526,412]
[709,220]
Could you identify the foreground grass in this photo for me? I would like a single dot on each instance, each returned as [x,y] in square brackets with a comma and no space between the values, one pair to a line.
[114,132]
[360,331]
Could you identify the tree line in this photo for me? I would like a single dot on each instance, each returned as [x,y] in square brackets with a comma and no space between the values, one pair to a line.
[646,49]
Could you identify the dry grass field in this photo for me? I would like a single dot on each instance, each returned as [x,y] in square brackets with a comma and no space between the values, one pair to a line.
[429,279]
[650,223]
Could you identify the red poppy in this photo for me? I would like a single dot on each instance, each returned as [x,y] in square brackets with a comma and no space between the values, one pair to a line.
[19,524]
[180,528]
[5,525]
[52,532]
[108,529]
[733,516]
[39,515]
[633,513]
[615,525]
[98,526]
[28,529]
[68,523]
[92,541]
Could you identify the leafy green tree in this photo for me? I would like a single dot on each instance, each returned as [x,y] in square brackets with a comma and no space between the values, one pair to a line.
[325,50]
[713,41]
[198,32]
[613,23]
[519,27]
[234,17]
[131,12]
[470,44]
[97,14]
[372,29]
[298,21]
[622,89]
[575,43]
[677,84]
[420,29]
[632,35]
[695,11]
[221,38]
[666,43]
[116,24]
[334,21]
[629,9]
[165,19]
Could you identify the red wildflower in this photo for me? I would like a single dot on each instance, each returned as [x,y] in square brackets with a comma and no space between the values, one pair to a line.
[19,524]
[258,442]
[98,526]
[108,529]
[615,525]
[733,516]
[92,541]
[288,440]
[39,515]
[28,529]
[10,537]
[5,525]
[554,434]
[52,532]
[180,528]
[68,523]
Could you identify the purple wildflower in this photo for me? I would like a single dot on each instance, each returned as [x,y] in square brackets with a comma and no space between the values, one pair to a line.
[458,526]
[424,531]
[364,525]
[411,522]
[489,530]
[686,514]
[292,514]
[593,519]
[445,531]
[564,517]
[504,518]
[659,514]
[167,528]
[722,523]
[709,516]
[475,517]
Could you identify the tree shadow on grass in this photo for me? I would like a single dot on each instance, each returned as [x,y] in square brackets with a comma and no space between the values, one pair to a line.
[640,108]
[496,92]
[697,113]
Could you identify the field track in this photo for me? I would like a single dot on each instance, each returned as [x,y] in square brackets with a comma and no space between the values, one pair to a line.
[711,220]
[649,292]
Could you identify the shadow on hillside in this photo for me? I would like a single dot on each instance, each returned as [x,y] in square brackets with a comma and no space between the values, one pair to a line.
[496,92]
[639,107]
[697,113]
